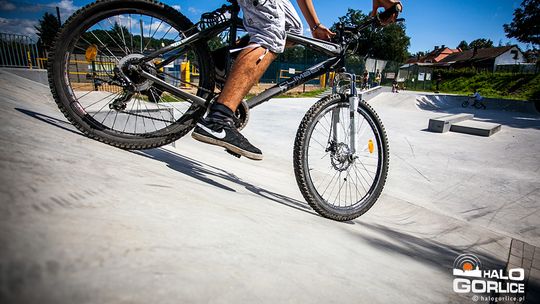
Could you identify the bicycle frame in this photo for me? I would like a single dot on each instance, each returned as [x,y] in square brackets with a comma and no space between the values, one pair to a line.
[334,63]
[233,24]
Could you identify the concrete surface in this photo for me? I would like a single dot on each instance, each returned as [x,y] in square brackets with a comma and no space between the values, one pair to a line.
[82,222]
[37,75]
[493,182]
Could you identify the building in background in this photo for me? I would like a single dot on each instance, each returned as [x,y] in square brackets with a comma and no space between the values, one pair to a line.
[488,59]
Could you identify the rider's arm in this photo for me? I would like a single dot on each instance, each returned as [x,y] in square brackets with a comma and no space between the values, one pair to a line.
[318,30]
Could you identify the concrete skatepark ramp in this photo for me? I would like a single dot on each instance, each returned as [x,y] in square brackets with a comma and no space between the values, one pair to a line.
[83,222]
[436,102]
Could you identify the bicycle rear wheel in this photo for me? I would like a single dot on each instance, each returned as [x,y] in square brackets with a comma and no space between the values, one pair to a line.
[337,184]
[100,41]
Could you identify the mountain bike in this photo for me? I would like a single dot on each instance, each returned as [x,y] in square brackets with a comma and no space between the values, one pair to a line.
[139,74]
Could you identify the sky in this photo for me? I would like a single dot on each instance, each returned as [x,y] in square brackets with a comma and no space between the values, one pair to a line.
[428,22]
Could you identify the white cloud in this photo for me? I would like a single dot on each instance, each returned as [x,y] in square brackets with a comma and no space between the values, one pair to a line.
[7,6]
[66,7]
[32,8]
[133,26]
[194,10]
[19,26]
[177,7]
[307,31]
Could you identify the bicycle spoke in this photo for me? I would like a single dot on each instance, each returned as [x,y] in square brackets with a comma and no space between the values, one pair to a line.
[152,37]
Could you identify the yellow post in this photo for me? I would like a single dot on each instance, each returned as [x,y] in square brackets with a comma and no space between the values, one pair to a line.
[29,60]
[185,72]
[322,80]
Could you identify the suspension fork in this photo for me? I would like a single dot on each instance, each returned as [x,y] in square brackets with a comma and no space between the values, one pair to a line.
[354,99]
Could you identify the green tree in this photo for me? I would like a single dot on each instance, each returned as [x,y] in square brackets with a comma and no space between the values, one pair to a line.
[525,26]
[388,43]
[481,43]
[463,45]
[46,30]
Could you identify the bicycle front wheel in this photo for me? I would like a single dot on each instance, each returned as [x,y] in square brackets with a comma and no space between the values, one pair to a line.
[102,41]
[337,183]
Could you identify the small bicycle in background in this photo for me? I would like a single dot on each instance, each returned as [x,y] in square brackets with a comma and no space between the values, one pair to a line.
[477,104]
[477,100]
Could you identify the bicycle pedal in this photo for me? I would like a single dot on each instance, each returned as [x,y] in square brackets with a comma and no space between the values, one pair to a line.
[233,153]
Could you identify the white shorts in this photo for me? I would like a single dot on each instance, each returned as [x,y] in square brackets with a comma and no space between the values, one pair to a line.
[268,22]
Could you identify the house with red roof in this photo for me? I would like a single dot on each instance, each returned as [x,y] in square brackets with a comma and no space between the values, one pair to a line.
[437,55]
[485,59]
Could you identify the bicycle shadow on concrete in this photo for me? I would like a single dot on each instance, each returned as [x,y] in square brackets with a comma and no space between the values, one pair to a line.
[191,167]
[424,247]
[64,125]
[210,175]
[522,115]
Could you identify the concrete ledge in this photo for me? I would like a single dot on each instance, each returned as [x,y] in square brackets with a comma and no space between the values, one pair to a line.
[442,124]
[479,128]
[37,75]
[370,93]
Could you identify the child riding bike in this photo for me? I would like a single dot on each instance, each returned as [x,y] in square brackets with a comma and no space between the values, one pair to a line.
[477,100]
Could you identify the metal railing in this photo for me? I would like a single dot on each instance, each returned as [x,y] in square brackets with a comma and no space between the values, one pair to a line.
[19,51]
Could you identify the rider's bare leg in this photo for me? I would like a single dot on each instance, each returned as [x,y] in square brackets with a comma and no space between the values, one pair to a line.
[246,72]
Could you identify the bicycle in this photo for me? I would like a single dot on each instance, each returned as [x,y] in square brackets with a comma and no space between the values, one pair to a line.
[476,104]
[340,152]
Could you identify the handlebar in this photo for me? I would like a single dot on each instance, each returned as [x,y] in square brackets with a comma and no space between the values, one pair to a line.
[373,21]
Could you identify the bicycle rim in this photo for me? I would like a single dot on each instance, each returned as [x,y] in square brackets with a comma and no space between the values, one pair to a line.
[108,41]
[344,186]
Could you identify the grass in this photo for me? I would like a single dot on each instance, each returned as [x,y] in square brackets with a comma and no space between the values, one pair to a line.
[498,85]
[308,94]
[313,93]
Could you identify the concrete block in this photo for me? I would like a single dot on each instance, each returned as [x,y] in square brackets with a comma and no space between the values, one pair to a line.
[528,251]
[514,261]
[442,124]
[536,260]
[479,128]
[517,248]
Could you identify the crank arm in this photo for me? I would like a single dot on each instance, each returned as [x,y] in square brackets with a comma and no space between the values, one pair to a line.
[172,89]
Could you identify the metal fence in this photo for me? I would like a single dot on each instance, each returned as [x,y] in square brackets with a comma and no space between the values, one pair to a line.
[19,51]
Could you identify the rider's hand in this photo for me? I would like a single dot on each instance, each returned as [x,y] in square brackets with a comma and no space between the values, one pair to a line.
[323,33]
[386,4]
